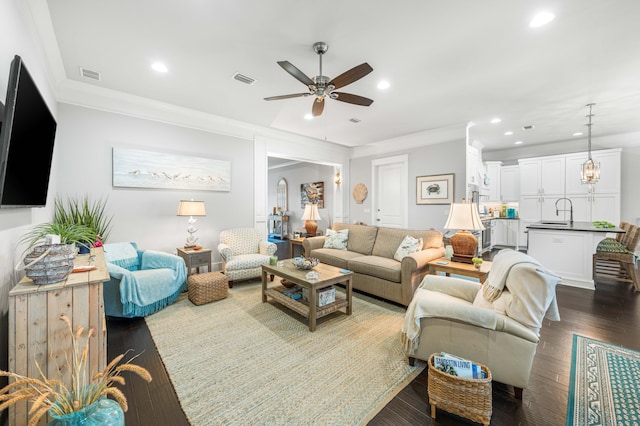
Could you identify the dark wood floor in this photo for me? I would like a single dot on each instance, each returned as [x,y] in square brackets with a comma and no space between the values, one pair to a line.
[611,313]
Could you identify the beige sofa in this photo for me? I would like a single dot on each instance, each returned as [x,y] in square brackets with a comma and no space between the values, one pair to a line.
[369,255]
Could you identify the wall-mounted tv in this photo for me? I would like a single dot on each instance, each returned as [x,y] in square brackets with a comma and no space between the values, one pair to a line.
[27,133]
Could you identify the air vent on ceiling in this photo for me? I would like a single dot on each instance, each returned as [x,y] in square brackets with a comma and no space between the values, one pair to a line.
[528,127]
[355,120]
[243,78]
[93,75]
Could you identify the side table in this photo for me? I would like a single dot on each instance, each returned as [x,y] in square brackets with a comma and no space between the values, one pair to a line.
[295,242]
[450,267]
[195,258]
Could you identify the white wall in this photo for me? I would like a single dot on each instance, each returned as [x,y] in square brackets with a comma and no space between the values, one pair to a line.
[441,158]
[83,165]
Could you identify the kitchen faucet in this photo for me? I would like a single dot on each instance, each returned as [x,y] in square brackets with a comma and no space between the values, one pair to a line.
[570,207]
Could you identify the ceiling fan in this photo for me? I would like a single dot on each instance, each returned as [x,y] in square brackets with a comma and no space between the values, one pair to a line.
[321,86]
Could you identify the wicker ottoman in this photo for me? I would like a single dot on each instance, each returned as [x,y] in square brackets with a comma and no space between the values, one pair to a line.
[205,288]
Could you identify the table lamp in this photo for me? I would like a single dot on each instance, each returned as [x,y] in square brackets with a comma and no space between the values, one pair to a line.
[191,208]
[311,214]
[464,217]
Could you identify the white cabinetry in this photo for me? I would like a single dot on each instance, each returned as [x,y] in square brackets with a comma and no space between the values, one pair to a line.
[600,201]
[474,166]
[506,232]
[542,182]
[509,183]
[491,182]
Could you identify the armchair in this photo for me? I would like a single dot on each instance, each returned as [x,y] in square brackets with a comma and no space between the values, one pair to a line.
[142,281]
[453,315]
[243,251]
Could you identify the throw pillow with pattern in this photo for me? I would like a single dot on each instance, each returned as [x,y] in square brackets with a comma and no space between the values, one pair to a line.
[407,246]
[336,239]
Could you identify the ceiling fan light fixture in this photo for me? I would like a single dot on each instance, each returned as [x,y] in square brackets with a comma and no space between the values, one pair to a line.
[541,19]
[383,85]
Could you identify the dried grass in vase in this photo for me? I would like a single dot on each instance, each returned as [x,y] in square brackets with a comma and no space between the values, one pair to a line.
[61,398]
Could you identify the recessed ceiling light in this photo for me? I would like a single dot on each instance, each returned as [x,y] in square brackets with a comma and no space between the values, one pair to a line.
[308,116]
[578,134]
[495,120]
[384,84]
[541,19]
[517,143]
[508,133]
[159,67]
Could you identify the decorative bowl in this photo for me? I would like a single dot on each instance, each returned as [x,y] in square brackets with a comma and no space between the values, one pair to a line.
[305,263]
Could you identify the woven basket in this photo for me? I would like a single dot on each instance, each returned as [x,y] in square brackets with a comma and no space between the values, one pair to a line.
[468,398]
[49,264]
[205,288]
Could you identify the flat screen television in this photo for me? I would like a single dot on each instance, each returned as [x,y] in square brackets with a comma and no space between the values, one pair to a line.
[27,134]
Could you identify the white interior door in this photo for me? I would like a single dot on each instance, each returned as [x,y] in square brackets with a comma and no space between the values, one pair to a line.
[391,191]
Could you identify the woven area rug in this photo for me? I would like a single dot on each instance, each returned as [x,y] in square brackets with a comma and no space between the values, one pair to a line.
[605,384]
[239,361]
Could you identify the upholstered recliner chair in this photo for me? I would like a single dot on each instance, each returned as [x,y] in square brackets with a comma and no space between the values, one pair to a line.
[142,281]
[453,315]
[243,251]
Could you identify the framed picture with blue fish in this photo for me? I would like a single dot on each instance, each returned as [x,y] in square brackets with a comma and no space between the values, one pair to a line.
[434,189]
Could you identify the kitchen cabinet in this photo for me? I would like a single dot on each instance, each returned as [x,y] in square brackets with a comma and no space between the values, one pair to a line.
[474,165]
[490,187]
[600,201]
[542,182]
[506,232]
[509,183]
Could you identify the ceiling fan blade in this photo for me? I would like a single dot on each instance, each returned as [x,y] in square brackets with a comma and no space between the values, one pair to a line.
[348,77]
[353,99]
[318,107]
[294,95]
[299,75]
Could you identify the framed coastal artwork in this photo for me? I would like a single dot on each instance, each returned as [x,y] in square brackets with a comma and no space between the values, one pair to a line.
[312,193]
[135,168]
[434,189]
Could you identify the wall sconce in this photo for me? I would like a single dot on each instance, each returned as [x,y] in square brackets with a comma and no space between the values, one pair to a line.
[338,178]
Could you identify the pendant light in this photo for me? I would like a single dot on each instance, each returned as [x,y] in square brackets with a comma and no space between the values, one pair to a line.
[590,170]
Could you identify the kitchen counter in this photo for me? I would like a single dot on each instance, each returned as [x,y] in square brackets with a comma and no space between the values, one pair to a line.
[575,226]
[567,249]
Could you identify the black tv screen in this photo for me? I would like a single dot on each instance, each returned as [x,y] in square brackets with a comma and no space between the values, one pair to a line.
[27,134]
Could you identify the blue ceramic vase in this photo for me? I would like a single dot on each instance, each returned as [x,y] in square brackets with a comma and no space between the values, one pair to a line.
[105,412]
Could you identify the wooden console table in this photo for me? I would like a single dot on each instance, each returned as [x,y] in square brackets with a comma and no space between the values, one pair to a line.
[36,332]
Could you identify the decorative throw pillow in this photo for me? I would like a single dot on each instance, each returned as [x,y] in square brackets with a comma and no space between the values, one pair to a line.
[407,246]
[336,239]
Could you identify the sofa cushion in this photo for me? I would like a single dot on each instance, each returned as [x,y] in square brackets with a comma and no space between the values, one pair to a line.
[407,246]
[361,237]
[336,239]
[124,255]
[380,267]
[334,257]
[388,240]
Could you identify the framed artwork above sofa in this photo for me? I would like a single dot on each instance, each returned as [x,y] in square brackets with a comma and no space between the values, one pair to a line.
[434,189]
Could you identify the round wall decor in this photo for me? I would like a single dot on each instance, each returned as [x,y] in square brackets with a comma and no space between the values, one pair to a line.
[360,193]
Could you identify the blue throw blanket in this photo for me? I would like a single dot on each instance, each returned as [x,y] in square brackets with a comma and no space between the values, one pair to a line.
[157,284]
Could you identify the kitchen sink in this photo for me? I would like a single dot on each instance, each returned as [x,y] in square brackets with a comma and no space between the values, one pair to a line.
[554,223]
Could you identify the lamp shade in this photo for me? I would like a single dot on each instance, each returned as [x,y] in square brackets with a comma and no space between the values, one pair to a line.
[191,208]
[464,216]
[311,212]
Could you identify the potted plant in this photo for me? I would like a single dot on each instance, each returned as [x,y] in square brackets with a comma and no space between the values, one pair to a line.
[82,399]
[69,233]
[477,262]
[83,211]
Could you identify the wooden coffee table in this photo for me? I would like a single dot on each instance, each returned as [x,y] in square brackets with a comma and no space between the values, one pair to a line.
[458,268]
[328,275]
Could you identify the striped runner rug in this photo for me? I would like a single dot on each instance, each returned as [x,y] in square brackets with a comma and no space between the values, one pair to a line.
[604,387]
[239,361]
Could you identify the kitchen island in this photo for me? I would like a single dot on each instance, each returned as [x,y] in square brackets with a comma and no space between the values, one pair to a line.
[567,248]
